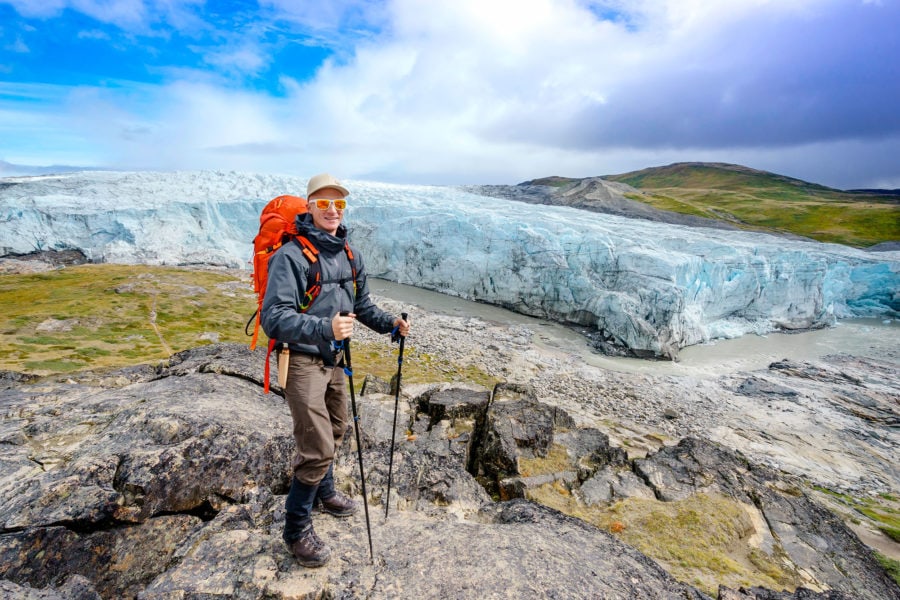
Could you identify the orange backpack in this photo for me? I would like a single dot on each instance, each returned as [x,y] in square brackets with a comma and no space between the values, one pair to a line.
[277,227]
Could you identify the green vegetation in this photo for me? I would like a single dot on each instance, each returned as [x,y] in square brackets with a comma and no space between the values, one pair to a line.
[758,200]
[97,316]
[553,181]
[108,316]
[703,540]
[380,359]
[882,511]
[556,461]
[890,565]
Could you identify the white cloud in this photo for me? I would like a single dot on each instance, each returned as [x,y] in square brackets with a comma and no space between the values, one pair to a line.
[18,46]
[120,12]
[330,15]
[93,34]
[465,91]
[246,60]
[39,8]
[130,15]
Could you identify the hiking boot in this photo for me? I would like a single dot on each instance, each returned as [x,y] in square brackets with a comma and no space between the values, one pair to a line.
[310,550]
[338,505]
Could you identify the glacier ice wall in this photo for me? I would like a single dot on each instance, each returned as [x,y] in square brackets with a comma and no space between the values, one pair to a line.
[649,287]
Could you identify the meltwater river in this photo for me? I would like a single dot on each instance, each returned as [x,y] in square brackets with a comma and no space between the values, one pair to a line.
[874,338]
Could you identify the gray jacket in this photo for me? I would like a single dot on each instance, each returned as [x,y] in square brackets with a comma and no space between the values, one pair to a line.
[310,332]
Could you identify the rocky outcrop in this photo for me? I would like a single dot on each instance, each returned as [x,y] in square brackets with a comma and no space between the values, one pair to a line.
[168,482]
[598,195]
[809,538]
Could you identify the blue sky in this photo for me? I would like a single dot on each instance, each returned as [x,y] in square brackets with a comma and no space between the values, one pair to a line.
[454,91]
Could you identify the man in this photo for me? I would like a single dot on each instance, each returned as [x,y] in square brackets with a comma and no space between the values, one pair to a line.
[316,390]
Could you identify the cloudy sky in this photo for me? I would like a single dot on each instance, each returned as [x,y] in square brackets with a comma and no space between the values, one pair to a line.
[454,91]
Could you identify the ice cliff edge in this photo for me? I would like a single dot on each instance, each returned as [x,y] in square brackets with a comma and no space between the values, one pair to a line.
[650,288]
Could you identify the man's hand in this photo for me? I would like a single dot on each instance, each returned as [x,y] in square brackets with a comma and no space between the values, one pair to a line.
[403,325]
[342,326]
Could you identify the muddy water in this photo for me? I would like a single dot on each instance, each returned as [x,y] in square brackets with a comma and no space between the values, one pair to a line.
[878,338]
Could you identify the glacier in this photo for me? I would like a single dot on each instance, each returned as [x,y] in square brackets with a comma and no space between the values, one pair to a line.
[647,288]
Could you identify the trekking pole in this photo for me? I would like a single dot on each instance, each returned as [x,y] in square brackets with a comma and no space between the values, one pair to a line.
[348,370]
[394,336]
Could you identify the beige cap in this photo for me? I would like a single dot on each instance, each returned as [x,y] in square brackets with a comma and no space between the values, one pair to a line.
[322,181]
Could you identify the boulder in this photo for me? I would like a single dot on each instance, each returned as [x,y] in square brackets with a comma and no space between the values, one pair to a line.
[611,484]
[455,403]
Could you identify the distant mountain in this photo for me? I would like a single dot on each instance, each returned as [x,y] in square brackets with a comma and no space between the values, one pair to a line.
[721,176]
[756,200]
[597,195]
[12,170]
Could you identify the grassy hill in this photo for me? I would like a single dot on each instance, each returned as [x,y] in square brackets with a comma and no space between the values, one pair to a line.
[760,200]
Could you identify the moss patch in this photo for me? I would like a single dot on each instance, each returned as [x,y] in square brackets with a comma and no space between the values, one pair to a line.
[890,565]
[121,315]
[703,540]
[556,461]
[883,511]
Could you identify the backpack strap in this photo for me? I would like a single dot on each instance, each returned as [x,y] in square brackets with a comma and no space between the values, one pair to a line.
[349,254]
[268,371]
[314,275]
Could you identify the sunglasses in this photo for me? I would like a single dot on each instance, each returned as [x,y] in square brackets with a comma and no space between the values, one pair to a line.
[323,203]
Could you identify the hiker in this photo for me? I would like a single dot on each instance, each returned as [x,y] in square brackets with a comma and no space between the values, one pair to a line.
[316,390]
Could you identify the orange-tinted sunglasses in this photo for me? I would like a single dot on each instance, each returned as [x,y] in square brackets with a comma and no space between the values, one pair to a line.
[324,203]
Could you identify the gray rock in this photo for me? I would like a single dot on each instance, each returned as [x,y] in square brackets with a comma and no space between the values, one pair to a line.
[755,386]
[810,537]
[520,550]
[455,403]
[429,466]
[801,593]
[76,587]
[589,449]
[692,467]
[57,258]
[611,484]
[119,561]
[155,448]
[509,430]
[372,384]
[598,195]
[516,426]
[169,483]
[14,378]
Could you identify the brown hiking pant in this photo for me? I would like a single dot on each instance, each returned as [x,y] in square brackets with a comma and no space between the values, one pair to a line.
[317,396]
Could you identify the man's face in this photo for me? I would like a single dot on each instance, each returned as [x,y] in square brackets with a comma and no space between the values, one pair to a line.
[327,220]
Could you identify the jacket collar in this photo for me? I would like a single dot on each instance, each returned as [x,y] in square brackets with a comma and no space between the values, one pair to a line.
[323,240]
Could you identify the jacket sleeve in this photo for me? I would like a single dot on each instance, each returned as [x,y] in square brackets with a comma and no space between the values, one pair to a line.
[281,318]
[366,311]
